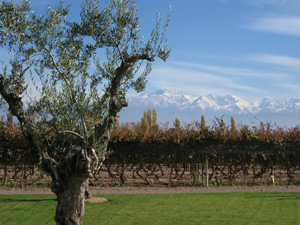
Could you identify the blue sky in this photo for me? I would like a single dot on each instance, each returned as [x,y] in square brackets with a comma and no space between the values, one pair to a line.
[247,48]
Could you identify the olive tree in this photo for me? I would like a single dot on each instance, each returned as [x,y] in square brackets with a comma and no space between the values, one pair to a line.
[67,81]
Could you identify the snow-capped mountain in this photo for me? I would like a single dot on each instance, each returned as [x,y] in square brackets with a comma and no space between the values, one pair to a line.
[216,103]
[162,98]
[170,104]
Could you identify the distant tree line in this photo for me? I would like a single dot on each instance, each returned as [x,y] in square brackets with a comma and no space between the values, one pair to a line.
[149,122]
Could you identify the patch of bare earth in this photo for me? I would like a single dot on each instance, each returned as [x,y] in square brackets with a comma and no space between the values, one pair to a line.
[158,190]
[95,200]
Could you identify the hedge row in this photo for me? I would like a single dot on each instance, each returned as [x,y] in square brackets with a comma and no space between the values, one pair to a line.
[236,151]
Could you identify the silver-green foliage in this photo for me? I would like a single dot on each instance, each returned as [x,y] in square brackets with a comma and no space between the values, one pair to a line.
[80,71]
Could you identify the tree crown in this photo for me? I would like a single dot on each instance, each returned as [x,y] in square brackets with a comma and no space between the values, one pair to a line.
[79,95]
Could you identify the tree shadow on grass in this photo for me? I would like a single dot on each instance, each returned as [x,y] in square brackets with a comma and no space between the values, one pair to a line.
[289,198]
[279,197]
[25,200]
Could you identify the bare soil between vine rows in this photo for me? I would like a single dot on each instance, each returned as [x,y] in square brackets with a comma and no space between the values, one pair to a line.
[159,190]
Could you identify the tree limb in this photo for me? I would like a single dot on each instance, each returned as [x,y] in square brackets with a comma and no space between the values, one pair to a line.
[74,133]
[53,60]
[28,129]
[123,60]
[24,71]
[150,58]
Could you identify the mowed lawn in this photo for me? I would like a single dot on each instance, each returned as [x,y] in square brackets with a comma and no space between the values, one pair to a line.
[193,208]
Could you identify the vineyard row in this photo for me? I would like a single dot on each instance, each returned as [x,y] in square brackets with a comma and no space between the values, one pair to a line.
[189,155]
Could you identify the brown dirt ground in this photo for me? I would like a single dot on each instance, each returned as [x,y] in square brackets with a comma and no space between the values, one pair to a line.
[158,190]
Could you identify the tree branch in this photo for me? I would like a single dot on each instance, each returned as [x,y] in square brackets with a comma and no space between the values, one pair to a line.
[135,58]
[16,108]
[53,60]
[14,101]
[123,60]
[74,133]
[24,71]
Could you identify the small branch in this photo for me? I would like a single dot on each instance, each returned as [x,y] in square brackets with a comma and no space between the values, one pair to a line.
[53,60]
[159,56]
[121,54]
[147,57]
[24,71]
[85,130]
[134,58]
[74,133]
[56,66]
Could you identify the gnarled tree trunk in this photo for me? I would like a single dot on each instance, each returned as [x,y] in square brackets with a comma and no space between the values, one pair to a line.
[69,183]
[87,192]
[70,202]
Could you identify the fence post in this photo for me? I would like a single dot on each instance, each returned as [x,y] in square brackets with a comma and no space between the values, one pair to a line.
[272,177]
[5,175]
[198,172]
[170,177]
[202,173]
[206,168]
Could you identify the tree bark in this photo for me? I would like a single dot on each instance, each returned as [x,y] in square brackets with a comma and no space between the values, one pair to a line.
[70,180]
[87,193]
[70,202]
[5,175]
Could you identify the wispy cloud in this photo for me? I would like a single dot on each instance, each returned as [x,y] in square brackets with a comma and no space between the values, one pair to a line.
[218,69]
[292,87]
[234,71]
[198,82]
[250,84]
[276,60]
[281,25]
[287,4]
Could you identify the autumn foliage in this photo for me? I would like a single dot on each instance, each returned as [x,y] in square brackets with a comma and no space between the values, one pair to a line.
[228,149]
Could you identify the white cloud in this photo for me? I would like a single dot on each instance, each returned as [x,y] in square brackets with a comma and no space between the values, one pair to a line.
[197,82]
[250,84]
[276,60]
[240,72]
[292,87]
[281,25]
[218,69]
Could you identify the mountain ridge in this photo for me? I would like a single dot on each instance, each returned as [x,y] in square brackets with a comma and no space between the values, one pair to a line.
[216,102]
[170,104]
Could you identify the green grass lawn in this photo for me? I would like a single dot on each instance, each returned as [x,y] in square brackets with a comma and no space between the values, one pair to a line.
[194,208]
